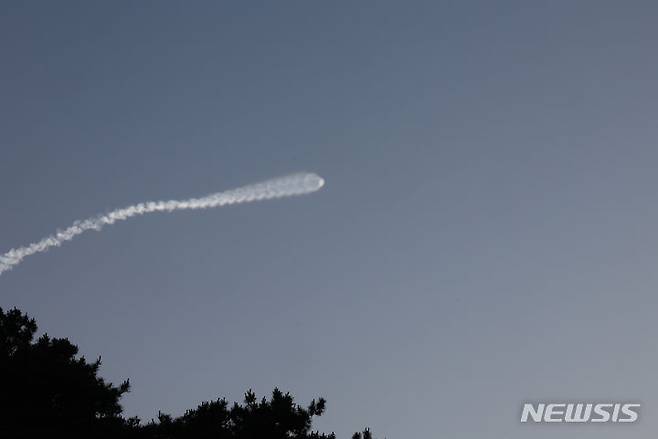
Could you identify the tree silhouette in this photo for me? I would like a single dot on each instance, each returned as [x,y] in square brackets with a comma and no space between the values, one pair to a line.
[276,418]
[364,435]
[46,390]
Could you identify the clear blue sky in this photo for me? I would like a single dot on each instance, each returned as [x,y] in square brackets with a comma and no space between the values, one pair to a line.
[487,234]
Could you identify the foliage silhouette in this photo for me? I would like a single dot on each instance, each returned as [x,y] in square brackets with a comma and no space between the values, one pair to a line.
[278,417]
[48,391]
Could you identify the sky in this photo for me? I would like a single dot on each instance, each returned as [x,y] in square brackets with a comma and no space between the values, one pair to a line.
[486,235]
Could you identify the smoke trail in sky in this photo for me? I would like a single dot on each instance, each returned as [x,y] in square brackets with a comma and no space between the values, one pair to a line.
[295,184]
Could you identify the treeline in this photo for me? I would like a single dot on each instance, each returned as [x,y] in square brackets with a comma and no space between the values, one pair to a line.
[48,391]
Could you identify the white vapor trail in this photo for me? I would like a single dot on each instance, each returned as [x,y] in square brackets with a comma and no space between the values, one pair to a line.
[294,184]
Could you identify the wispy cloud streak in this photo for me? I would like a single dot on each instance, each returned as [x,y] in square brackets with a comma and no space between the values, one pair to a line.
[291,185]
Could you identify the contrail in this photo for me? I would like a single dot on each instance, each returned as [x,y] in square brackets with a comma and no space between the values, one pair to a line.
[294,184]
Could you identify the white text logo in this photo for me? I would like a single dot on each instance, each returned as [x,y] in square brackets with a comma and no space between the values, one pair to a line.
[613,412]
